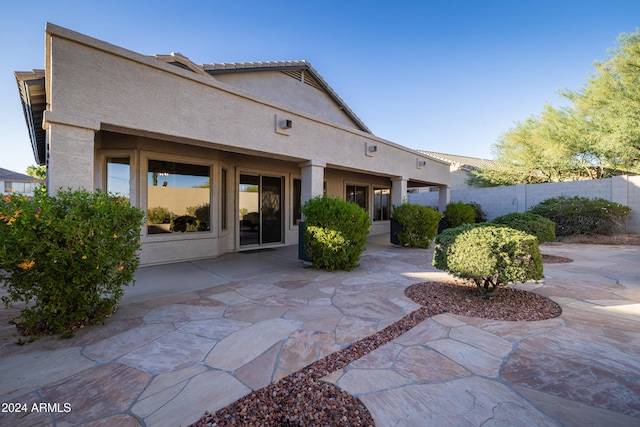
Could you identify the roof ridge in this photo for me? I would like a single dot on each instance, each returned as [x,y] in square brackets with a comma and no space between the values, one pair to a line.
[466,162]
[454,155]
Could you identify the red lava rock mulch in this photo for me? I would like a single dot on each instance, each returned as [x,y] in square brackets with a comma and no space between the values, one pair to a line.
[462,298]
[301,399]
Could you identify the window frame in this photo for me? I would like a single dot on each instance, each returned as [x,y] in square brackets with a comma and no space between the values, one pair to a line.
[143,171]
[388,207]
[367,198]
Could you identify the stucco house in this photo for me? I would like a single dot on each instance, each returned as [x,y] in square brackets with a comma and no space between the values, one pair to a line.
[13,182]
[460,167]
[220,156]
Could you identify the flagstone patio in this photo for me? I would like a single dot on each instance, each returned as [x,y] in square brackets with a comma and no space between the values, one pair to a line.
[177,348]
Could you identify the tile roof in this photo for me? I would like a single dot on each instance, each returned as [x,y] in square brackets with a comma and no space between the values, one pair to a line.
[463,162]
[7,175]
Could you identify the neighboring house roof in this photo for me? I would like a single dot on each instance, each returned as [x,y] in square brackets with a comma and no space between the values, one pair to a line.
[7,175]
[300,70]
[461,162]
[34,102]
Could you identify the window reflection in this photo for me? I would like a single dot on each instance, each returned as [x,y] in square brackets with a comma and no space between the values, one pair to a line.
[382,204]
[358,195]
[178,197]
[118,176]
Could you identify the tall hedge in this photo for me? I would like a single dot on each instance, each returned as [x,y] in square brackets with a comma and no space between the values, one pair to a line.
[335,232]
[458,213]
[490,256]
[581,215]
[67,257]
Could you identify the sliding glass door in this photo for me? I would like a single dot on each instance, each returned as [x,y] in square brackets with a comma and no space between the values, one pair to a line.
[260,209]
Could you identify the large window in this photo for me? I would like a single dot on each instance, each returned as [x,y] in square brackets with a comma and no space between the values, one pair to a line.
[18,187]
[358,195]
[118,176]
[381,204]
[178,197]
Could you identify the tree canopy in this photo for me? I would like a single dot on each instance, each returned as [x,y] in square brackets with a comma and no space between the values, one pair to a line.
[596,136]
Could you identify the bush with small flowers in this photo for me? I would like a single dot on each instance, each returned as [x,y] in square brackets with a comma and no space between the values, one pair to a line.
[66,257]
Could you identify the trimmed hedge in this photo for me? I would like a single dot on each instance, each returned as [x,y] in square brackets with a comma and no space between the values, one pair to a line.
[67,257]
[581,215]
[336,232]
[419,224]
[458,213]
[544,229]
[490,256]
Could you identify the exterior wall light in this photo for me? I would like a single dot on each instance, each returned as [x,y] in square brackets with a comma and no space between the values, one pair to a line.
[282,125]
[369,149]
[420,163]
[285,124]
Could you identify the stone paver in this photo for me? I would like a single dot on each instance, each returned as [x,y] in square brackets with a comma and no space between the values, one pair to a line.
[469,401]
[167,360]
[246,344]
[103,391]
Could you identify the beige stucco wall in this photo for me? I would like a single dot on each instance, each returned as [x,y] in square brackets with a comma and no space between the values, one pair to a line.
[120,89]
[458,178]
[277,86]
[159,111]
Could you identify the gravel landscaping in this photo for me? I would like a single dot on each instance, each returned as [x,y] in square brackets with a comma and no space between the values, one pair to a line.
[301,399]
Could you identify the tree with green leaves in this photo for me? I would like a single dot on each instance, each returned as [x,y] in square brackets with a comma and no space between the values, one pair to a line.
[39,172]
[596,136]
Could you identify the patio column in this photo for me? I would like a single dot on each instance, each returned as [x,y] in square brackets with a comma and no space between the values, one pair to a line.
[312,179]
[70,154]
[399,190]
[443,197]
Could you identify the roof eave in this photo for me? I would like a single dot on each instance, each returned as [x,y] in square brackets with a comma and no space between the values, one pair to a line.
[31,87]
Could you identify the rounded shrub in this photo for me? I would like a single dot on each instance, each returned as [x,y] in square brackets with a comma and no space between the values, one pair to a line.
[458,213]
[581,215]
[419,224]
[491,256]
[158,215]
[67,257]
[544,229]
[335,232]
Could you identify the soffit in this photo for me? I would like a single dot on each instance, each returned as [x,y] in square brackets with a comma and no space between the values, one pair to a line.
[31,86]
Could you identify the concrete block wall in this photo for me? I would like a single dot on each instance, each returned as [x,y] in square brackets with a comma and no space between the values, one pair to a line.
[496,201]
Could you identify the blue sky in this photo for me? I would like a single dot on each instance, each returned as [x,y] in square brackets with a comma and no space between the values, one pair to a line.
[447,76]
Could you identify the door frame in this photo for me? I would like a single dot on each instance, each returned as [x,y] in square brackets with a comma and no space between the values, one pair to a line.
[282,220]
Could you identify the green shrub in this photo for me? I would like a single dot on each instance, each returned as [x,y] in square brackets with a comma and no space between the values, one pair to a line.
[158,215]
[201,212]
[581,215]
[480,215]
[458,213]
[488,255]
[67,257]
[544,229]
[419,224]
[336,232]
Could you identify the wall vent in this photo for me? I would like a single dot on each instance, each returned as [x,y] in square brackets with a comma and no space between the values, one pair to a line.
[304,77]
